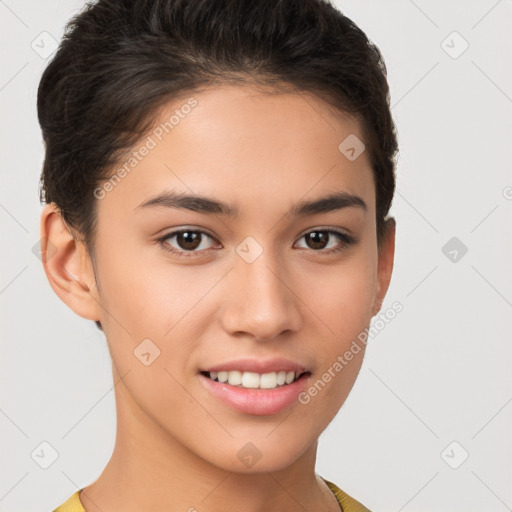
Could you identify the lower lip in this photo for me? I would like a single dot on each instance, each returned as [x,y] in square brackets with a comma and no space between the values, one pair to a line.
[260,402]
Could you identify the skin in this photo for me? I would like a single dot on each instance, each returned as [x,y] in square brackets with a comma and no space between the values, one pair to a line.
[177,445]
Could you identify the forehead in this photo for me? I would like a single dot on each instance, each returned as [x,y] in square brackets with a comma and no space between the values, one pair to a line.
[245,147]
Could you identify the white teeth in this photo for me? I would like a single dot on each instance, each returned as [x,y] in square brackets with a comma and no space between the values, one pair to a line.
[235,378]
[254,380]
[250,380]
[268,380]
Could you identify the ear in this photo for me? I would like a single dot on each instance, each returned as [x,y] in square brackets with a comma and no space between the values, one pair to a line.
[385,265]
[67,265]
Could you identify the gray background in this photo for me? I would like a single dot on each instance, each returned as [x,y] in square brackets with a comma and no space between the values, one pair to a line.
[438,373]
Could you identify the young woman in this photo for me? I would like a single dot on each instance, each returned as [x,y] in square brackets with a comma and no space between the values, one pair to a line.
[217,180]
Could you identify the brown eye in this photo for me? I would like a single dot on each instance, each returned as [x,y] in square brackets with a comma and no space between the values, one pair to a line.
[320,238]
[188,242]
[317,239]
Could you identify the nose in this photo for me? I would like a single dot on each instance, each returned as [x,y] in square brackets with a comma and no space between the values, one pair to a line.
[261,301]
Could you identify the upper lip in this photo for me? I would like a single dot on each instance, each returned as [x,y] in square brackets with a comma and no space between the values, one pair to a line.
[258,366]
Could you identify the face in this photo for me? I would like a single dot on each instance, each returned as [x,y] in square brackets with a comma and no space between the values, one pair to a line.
[185,289]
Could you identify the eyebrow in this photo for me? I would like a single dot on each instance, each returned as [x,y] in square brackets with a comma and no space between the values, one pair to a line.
[208,205]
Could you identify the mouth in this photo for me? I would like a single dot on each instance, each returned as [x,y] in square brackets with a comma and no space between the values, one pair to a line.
[260,394]
[253,380]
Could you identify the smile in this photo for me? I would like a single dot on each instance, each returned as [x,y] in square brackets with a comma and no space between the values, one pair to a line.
[252,380]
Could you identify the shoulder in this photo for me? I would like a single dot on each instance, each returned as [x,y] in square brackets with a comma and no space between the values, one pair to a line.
[348,504]
[72,504]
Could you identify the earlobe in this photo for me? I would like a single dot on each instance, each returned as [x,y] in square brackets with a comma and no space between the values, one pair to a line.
[385,265]
[67,265]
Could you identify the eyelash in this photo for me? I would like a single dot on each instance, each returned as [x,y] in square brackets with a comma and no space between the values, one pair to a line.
[347,239]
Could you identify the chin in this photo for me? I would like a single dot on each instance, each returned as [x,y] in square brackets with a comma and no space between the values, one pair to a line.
[258,456]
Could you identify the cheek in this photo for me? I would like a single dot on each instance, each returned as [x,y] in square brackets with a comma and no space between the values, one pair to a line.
[143,292]
[342,296]
[151,299]
[146,321]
